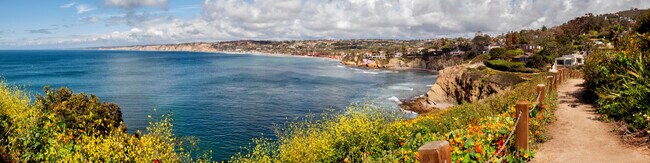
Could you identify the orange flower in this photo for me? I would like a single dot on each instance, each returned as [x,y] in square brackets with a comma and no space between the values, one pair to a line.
[478,149]
[401,143]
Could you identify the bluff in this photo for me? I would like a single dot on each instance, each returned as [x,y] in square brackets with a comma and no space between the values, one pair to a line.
[462,83]
[415,63]
[196,47]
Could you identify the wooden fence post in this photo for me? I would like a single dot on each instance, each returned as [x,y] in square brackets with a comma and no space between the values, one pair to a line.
[540,90]
[435,152]
[567,75]
[556,80]
[521,132]
[550,83]
[559,76]
[562,76]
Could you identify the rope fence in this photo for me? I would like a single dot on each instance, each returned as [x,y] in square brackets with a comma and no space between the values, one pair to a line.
[438,151]
[536,102]
[507,140]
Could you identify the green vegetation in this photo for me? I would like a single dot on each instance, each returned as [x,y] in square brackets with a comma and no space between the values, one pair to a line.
[66,127]
[509,66]
[621,79]
[644,23]
[536,61]
[498,53]
[504,65]
[514,52]
[366,133]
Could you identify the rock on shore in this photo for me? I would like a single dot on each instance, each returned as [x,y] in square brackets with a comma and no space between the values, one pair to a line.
[461,83]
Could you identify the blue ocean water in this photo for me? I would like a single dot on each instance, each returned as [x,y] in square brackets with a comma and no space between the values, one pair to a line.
[225,100]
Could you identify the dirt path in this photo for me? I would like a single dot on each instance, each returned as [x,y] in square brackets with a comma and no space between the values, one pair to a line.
[578,137]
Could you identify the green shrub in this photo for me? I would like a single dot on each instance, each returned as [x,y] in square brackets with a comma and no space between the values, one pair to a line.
[66,127]
[621,79]
[512,53]
[80,112]
[525,70]
[536,61]
[504,65]
[506,79]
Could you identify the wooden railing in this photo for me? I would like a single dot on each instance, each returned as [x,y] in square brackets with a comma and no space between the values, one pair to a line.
[438,151]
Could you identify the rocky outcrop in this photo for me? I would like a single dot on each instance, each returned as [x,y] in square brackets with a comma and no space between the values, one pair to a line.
[461,83]
[385,63]
[406,63]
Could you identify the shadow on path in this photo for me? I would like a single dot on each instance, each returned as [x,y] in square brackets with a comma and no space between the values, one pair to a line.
[578,137]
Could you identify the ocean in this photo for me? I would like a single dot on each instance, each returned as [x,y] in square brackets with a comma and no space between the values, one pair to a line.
[225,100]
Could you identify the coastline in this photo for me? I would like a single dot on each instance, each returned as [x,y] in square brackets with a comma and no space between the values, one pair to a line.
[279,55]
[404,105]
[409,69]
[273,54]
[225,52]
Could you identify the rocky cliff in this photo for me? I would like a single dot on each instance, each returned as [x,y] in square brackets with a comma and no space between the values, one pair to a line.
[469,83]
[385,63]
[196,47]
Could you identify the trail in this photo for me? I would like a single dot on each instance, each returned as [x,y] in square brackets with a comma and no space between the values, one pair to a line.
[577,136]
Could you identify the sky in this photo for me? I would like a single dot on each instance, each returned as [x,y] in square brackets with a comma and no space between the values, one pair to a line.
[62,24]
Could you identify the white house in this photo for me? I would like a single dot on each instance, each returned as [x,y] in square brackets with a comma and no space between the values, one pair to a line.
[398,54]
[456,52]
[574,59]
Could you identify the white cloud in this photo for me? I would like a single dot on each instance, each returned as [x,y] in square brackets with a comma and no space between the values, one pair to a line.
[83,9]
[339,19]
[68,5]
[90,19]
[131,4]
[395,18]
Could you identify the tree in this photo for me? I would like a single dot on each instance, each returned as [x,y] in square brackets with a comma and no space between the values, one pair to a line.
[536,61]
[644,23]
[513,40]
[548,54]
[497,53]
[481,40]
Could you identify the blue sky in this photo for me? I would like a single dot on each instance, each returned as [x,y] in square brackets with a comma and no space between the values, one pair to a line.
[53,24]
